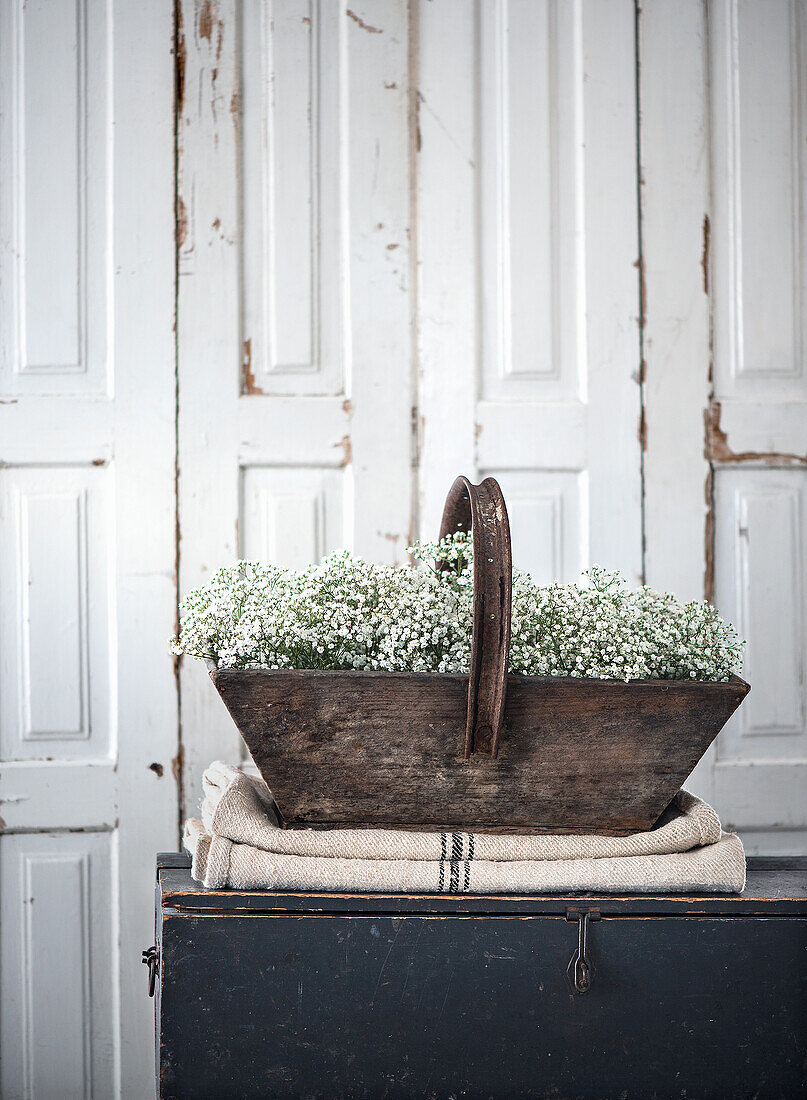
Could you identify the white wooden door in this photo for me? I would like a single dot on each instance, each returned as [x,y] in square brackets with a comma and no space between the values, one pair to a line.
[295,327]
[528,305]
[429,238]
[723,103]
[87,589]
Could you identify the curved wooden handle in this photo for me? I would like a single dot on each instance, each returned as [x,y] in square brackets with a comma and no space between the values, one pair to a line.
[480,509]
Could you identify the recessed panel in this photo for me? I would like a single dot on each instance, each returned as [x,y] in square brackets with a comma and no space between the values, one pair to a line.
[547,522]
[760,587]
[758,93]
[531,198]
[291,192]
[58,1025]
[56,617]
[291,517]
[54,138]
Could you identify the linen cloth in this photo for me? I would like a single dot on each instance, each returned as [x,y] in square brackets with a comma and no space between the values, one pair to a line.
[238,844]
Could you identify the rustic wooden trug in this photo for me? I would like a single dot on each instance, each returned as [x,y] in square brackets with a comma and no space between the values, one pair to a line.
[486,751]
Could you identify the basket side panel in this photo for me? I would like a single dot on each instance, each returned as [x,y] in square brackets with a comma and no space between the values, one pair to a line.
[353,748]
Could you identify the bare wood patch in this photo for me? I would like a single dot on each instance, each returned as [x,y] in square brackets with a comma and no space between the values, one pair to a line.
[176,766]
[181,58]
[360,22]
[206,21]
[347,449]
[249,386]
[707,235]
[709,540]
[717,448]
[639,265]
[182,222]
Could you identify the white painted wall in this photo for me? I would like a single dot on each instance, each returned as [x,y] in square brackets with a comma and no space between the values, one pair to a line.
[411,241]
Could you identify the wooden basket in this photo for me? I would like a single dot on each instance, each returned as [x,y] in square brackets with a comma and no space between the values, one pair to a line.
[488,752]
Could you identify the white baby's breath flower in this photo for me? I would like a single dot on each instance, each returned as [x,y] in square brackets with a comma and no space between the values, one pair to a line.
[346,613]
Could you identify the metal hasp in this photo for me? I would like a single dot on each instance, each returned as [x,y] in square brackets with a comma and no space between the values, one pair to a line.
[149,958]
[579,969]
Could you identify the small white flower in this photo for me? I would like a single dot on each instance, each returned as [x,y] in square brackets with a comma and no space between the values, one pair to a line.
[349,614]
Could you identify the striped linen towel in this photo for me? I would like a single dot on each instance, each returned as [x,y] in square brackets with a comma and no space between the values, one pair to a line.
[239,845]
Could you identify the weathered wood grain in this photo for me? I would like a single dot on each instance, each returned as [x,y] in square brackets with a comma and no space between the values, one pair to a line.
[378,748]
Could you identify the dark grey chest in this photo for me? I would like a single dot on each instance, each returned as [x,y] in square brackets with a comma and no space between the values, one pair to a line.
[319,995]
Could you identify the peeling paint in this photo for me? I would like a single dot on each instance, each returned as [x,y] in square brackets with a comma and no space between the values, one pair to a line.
[360,22]
[182,222]
[717,447]
[707,236]
[99,462]
[392,247]
[639,265]
[347,407]
[157,769]
[642,430]
[176,766]
[206,21]
[391,85]
[181,56]
[709,539]
[347,449]
[249,386]
[235,105]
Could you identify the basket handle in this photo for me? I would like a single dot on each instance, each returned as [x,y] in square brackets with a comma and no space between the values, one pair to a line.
[480,509]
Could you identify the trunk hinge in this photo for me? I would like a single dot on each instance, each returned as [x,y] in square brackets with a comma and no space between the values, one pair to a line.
[580,970]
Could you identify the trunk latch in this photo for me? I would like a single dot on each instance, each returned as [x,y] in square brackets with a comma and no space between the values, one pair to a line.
[149,958]
[579,969]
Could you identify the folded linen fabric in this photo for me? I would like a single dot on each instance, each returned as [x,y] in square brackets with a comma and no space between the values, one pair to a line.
[239,844]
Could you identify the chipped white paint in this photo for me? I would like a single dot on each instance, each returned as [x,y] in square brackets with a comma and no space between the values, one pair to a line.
[723,98]
[529,293]
[295,371]
[524,209]
[87,595]
[327,398]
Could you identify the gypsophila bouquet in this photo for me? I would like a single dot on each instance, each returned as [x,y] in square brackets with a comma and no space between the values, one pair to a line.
[346,613]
